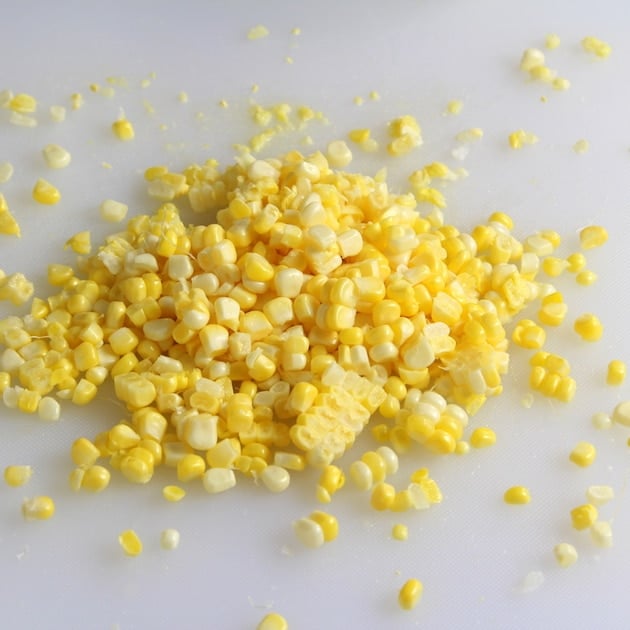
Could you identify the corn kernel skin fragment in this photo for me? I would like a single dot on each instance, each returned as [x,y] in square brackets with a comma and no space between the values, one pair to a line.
[410,594]
[565,554]
[273,621]
[130,543]
[517,495]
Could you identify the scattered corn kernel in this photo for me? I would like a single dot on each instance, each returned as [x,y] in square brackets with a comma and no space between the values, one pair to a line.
[123,129]
[599,495]
[565,554]
[601,534]
[113,211]
[173,493]
[8,223]
[552,41]
[56,156]
[581,146]
[517,495]
[596,46]
[410,594]
[130,542]
[482,437]
[17,475]
[6,172]
[273,621]
[589,327]
[275,478]
[169,539]
[45,193]
[400,532]
[518,139]
[586,277]
[39,508]
[583,454]
[593,236]
[583,516]
[616,373]
[258,32]
[309,532]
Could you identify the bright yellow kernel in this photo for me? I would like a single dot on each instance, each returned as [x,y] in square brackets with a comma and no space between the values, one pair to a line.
[616,374]
[123,129]
[45,193]
[400,532]
[586,278]
[273,621]
[39,508]
[80,243]
[410,593]
[482,437]
[583,454]
[583,516]
[517,495]
[383,496]
[518,139]
[173,494]
[95,479]
[593,236]
[441,442]
[56,156]
[84,452]
[328,523]
[17,475]
[190,466]
[130,542]
[589,327]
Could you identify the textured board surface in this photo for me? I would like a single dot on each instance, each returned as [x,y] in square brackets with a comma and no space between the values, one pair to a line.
[238,557]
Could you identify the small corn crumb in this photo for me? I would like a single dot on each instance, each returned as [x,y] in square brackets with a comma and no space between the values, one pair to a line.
[173,493]
[45,193]
[17,475]
[56,156]
[581,146]
[565,554]
[532,58]
[601,534]
[410,594]
[113,211]
[223,103]
[400,532]
[6,172]
[182,97]
[469,135]
[375,96]
[517,495]
[518,139]
[130,542]
[589,327]
[358,100]
[169,539]
[39,508]
[454,107]
[596,46]
[583,454]
[57,113]
[552,41]
[123,129]
[257,32]
[296,30]
[616,373]
[76,100]
[583,516]
[273,621]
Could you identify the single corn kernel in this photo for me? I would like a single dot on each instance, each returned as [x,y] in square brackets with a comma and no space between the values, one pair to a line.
[169,539]
[273,621]
[258,32]
[45,193]
[309,532]
[328,523]
[130,542]
[593,236]
[601,534]
[583,454]
[39,508]
[95,479]
[123,129]
[173,494]
[84,452]
[383,496]
[410,593]
[552,41]
[23,104]
[113,211]
[400,532]
[17,475]
[586,278]
[599,495]
[581,146]
[583,516]
[56,156]
[565,554]
[80,243]
[190,466]
[616,374]
[275,478]
[621,413]
[482,437]
[6,172]
[589,327]
[517,495]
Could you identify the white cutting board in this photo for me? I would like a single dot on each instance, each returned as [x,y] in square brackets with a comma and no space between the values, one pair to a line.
[238,557]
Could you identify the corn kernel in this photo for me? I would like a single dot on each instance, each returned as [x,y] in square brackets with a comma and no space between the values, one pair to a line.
[275,478]
[169,539]
[400,532]
[328,523]
[309,532]
[56,156]
[565,554]
[593,236]
[410,593]
[589,327]
[45,193]
[17,475]
[130,542]
[616,374]
[601,534]
[190,467]
[84,452]
[596,46]
[583,516]
[39,508]
[95,478]
[123,129]
[583,454]
[517,495]
[173,494]
[482,437]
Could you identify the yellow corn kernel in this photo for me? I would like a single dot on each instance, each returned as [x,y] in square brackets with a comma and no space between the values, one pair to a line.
[601,534]
[95,478]
[80,243]
[596,46]
[593,236]
[190,467]
[217,480]
[123,129]
[28,401]
[45,193]
[583,454]
[552,41]
[552,313]
[482,437]
[589,327]
[454,107]
[583,516]
[400,532]
[84,452]
[39,508]
[383,496]
[273,621]
[17,475]
[517,495]
[173,494]
[137,465]
[441,442]
[15,288]
[23,104]
[586,277]
[8,223]
[616,374]
[130,542]
[328,524]
[410,593]
[517,139]
[532,58]
[565,554]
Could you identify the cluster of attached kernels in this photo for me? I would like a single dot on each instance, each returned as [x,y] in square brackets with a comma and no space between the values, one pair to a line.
[406,135]
[596,46]
[533,62]
[15,288]
[315,530]
[164,185]
[331,480]
[550,376]
[616,373]
[518,139]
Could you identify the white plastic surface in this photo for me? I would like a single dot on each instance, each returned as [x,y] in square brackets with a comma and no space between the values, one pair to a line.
[238,557]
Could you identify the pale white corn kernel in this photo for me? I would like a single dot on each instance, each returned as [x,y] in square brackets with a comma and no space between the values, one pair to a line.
[338,154]
[309,532]
[217,480]
[56,156]
[598,495]
[601,534]
[57,113]
[275,478]
[621,413]
[49,409]
[6,172]
[114,212]
[601,420]
[565,554]
[169,539]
